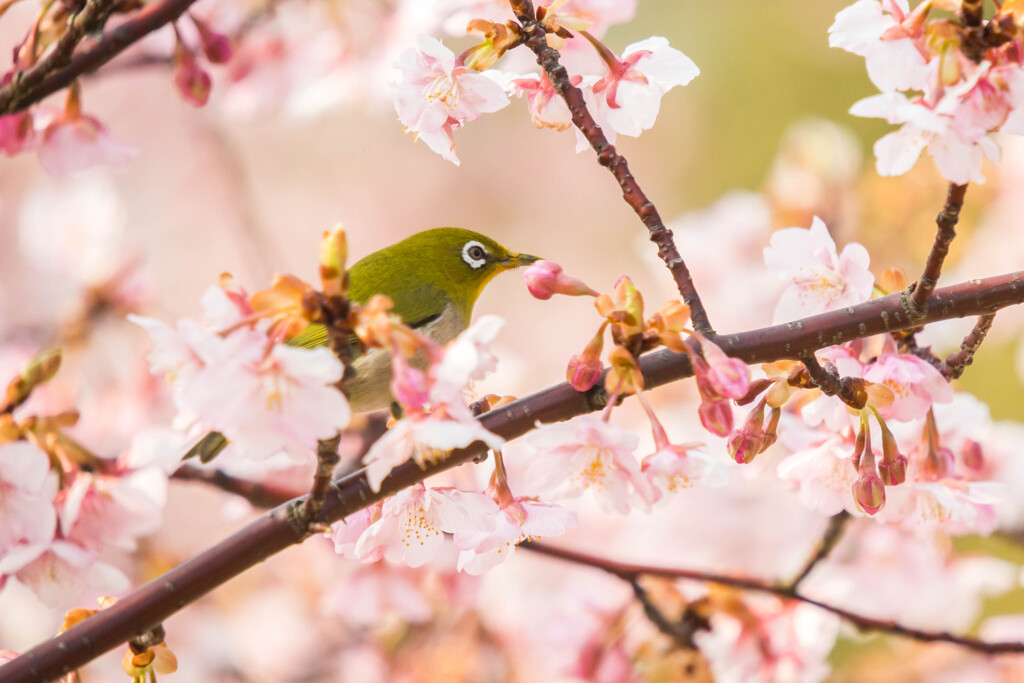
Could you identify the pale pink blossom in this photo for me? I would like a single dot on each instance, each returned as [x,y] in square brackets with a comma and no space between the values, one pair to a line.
[413,522]
[673,468]
[823,475]
[61,573]
[547,108]
[924,126]
[893,52]
[263,396]
[436,416]
[819,279]
[27,490]
[70,144]
[345,533]
[520,520]
[437,94]
[600,14]
[586,453]
[916,385]
[98,511]
[374,593]
[628,98]
[953,505]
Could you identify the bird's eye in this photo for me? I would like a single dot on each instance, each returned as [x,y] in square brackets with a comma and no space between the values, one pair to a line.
[475,254]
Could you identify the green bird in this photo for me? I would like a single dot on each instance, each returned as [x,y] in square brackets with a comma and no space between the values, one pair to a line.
[433,278]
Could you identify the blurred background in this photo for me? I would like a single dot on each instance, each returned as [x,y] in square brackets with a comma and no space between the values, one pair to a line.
[760,140]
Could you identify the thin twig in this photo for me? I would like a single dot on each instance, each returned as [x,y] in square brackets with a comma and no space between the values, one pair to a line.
[327,460]
[17,95]
[957,362]
[259,495]
[946,230]
[834,531]
[279,528]
[607,155]
[631,572]
[678,631]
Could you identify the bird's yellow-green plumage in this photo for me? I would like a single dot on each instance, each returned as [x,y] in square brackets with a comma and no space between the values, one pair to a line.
[433,278]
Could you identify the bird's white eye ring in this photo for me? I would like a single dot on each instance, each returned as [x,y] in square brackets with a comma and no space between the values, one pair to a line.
[475,254]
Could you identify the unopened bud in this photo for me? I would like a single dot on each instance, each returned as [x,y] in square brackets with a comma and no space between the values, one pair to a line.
[333,255]
[869,492]
[972,455]
[716,416]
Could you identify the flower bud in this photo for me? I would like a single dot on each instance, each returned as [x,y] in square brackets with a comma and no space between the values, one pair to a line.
[191,79]
[545,278]
[746,443]
[585,369]
[716,416]
[972,455]
[869,492]
[333,255]
[216,46]
[893,468]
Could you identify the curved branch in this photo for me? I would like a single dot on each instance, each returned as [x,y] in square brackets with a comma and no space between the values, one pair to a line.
[631,572]
[283,526]
[33,85]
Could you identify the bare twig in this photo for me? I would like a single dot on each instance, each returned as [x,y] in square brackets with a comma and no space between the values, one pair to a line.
[918,296]
[631,572]
[834,531]
[32,86]
[327,460]
[607,155]
[957,362]
[281,527]
[258,495]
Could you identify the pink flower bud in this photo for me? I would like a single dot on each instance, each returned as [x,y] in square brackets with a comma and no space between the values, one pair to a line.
[17,133]
[972,455]
[893,468]
[747,442]
[718,375]
[869,492]
[216,46]
[582,373]
[545,278]
[191,80]
[716,416]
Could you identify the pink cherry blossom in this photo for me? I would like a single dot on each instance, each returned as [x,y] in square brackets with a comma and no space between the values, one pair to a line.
[413,522]
[70,144]
[436,416]
[61,573]
[520,520]
[99,511]
[818,279]
[925,127]
[629,96]
[547,108]
[584,453]
[892,51]
[437,94]
[915,384]
[823,475]
[672,468]
[27,489]
[263,396]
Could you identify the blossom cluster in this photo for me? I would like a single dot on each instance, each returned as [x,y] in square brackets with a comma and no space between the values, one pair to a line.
[947,83]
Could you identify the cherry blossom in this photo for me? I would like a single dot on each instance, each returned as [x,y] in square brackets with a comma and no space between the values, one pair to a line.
[914,382]
[628,98]
[413,522]
[520,519]
[547,108]
[586,453]
[264,397]
[819,279]
[436,417]
[27,489]
[437,94]
[70,143]
[889,39]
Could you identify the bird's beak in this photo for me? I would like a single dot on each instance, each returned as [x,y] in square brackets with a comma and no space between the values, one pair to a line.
[514,260]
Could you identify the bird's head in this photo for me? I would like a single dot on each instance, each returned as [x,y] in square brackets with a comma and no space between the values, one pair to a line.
[452,263]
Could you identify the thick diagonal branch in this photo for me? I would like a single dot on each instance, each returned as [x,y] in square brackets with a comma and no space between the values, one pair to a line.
[279,528]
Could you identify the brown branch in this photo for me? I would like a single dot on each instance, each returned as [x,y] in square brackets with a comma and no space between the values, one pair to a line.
[259,495]
[946,221]
[680,631]
[91,18]
[18,95]
[955,364]
[632,572]
[327,460]
[634,195]
[834,531]
[156,601]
